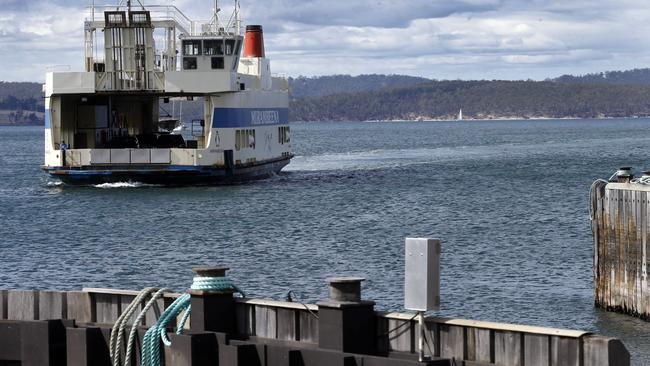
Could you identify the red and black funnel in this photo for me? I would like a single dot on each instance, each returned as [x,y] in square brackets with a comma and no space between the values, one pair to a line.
[254,41]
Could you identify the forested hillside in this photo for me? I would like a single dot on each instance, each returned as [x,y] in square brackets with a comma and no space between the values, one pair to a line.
[21,103]
[607,94]
[479,99]
[304,87]
[635,77]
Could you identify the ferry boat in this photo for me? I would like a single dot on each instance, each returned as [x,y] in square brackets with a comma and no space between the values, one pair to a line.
[104,124]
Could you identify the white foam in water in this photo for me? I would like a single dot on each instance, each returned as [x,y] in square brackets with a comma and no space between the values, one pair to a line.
[393,158]
[379,159]
[122,185]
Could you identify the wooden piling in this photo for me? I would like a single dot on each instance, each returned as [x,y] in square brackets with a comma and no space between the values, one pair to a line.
[620,226]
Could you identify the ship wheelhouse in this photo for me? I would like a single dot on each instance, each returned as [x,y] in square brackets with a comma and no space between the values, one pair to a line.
[211,53]
[114,119]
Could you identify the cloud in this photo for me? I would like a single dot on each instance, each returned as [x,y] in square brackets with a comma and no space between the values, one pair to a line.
[444,39]
[376,13]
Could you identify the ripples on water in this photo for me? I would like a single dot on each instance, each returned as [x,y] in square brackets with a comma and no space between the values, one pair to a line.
[508,199]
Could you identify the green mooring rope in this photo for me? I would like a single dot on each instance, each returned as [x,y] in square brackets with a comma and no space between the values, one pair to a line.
[151,341]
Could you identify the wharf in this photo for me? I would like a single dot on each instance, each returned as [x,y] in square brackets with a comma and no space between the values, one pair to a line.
[621,233]
[74,328]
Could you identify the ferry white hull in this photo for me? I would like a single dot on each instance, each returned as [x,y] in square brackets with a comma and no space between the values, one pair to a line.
[242,144]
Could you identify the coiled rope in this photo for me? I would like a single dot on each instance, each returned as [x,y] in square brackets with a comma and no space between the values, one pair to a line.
[158,332]
[642,180]
[117,333]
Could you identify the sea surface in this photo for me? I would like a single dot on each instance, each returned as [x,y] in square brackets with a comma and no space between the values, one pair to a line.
[508,199]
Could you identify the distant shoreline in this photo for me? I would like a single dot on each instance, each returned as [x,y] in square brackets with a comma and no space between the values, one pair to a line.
[483,119]
[422,120]
[22,124]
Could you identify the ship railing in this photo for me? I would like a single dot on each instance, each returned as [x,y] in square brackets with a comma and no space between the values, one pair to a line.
[58,68]
[157,12]
[214,26]
[171,13]
[204,27]
[130,80]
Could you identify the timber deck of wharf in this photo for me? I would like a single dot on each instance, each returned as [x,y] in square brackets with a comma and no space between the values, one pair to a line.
[73,328]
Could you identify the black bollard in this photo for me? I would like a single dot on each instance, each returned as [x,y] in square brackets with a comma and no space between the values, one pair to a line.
[346,323]
[212,311]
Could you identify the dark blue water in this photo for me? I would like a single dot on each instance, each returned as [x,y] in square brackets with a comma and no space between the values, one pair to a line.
[508,199]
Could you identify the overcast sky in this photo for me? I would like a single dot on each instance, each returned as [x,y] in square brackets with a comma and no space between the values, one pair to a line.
[441,39]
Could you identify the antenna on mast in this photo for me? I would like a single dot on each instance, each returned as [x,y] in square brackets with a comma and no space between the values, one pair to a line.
[237,18]
[216,14]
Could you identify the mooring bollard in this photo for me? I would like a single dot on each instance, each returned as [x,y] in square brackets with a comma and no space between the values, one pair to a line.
[346,323]
[345,288]
[212,311]
[624,175]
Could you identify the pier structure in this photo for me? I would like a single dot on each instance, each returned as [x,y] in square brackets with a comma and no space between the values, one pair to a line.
[620,214]
[74,328]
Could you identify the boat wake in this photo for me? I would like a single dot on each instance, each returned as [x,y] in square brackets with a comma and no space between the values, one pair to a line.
[118,185]
[381,159]
[398,158]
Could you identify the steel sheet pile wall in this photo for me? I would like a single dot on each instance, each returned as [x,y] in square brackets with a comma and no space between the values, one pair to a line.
[621,239]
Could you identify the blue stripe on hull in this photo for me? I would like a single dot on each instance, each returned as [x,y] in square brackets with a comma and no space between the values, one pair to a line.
[249,117]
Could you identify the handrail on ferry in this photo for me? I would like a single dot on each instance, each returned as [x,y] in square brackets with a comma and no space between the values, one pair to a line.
[158,12]
[163,13]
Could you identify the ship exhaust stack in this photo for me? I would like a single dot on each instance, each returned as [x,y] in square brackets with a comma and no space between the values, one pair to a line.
[254,41]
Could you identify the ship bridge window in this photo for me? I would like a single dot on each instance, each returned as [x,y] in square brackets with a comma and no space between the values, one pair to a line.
[237,47]
[189,63]
[213,47]
[192,47]
[217,63]
[230,46]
